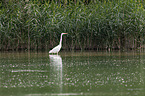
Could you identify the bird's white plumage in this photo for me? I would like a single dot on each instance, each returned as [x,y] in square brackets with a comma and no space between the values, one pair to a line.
[55,49]
[58,47]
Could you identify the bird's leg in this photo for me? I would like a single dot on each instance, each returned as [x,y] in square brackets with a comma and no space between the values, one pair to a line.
[57,53]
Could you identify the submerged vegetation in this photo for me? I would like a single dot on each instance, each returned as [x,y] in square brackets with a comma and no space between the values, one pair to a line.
[90,24]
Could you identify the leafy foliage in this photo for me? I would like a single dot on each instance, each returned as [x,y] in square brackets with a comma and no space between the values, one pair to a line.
[90,24]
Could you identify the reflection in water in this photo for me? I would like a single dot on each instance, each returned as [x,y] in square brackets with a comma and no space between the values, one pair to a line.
[38,75]
[56,71]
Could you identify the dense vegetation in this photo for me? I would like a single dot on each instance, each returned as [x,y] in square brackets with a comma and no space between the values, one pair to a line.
[90,24]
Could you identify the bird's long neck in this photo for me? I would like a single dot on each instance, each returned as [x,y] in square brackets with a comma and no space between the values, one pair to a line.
[60,43]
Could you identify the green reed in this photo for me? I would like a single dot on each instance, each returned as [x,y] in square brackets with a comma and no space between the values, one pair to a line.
[93,24]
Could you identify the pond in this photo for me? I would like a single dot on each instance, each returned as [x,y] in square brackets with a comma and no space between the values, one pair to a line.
[72,73]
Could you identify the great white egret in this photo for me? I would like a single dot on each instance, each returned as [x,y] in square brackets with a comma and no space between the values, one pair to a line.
[58,47]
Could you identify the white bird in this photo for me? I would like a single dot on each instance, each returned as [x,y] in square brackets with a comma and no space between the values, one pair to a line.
[58,47]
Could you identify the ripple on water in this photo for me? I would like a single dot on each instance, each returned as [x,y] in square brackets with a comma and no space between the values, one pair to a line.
[97,75]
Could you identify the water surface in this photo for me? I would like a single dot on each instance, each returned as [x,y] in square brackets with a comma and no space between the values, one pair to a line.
[72,73]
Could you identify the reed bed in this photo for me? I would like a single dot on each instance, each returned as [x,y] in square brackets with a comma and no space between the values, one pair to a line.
[91,25]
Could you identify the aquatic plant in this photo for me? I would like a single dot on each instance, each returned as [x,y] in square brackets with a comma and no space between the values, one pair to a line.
[96,24]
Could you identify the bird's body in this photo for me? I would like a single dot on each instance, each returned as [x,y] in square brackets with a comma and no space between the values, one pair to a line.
[58,47]
[55,49]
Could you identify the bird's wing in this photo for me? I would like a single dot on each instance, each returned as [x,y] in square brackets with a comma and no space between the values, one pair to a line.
[55,49]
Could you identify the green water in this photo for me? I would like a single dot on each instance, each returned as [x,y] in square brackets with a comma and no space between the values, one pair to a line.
[77,73]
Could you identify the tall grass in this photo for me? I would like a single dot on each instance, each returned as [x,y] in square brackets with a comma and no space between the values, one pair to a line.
[95,24]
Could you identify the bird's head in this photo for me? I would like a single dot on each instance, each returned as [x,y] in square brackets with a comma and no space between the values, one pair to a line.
[63,33]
